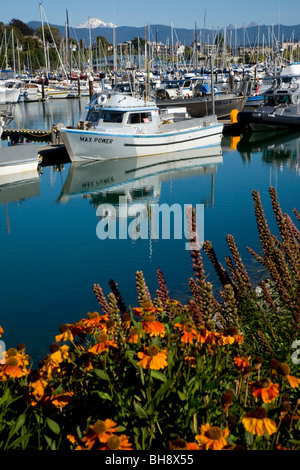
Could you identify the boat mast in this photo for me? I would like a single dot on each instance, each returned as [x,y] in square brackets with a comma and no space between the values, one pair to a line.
[44,42]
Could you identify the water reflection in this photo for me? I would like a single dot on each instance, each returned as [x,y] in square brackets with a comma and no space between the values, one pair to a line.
[17,187]
[276,148]
[45,114]
[138,179]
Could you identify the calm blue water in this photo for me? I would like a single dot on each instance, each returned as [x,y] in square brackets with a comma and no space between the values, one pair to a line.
[51,255]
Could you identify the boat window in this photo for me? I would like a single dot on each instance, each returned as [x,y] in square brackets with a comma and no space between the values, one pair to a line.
[111,116]
[171,86]
[270,100]
[93,116]
[283,99]
[123,88]
[138,118]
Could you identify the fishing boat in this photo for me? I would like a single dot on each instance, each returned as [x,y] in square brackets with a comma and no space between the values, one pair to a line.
[121,125]
[202,102]
[280,108]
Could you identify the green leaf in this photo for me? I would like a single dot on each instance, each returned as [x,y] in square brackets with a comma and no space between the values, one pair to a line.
[101,374]
[53,425]
[178,319]
[50,442]
[104,396]
[18,424]
[5,396]
[140,411]
[181,395]
[163,389]
[158,375]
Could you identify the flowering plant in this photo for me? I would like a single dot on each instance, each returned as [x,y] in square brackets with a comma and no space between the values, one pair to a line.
[208,375]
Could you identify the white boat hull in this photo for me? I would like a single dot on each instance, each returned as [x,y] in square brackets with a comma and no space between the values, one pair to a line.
[18,159]
[86,145]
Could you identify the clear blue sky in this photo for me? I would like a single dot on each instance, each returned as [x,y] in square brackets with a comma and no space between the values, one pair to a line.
[182,14]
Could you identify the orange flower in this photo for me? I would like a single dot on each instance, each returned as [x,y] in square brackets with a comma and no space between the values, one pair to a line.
[1,331]
[38,390]
[103,344]
[134,335]
[66,334]
[190,360]
[146,308]
[190,334]
[223,339]
[256,422]
[284,370]
[12,369]
[152,358]
[212,437]
[182,444]
[117,443]
[265,389]
[89,324]
[151,326]
[52,363]
[62,399]
[20,356]
[206,336]
[241,362]
[99,432]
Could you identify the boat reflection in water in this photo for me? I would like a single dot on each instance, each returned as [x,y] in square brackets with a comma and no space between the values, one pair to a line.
[278,148]
[129,191]
[137,178]
[18,187]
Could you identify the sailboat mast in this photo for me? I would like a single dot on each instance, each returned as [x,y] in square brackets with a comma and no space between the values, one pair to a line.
[44,43]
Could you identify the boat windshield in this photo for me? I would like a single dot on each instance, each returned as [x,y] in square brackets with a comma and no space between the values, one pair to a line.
[104,115]
[273,100]
[93,116]
[283,99]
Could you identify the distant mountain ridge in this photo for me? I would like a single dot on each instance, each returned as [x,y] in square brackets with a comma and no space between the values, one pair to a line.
[163,33]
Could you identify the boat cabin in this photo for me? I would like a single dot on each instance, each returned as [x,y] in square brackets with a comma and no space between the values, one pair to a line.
[281,97]
[121,111]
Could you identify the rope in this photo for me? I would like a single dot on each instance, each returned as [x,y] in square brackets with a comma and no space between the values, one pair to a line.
[29,133]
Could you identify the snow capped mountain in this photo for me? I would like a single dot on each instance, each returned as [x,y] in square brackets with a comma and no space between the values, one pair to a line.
[96,23]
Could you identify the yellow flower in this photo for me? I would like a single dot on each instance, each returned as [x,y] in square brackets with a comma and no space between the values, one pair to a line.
[152,358]
[38,390]
[66,334]
[212,437]
[256,422]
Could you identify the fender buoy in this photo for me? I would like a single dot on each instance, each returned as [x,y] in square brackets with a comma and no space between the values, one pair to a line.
[102,99]
[233,116]
[25,94]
